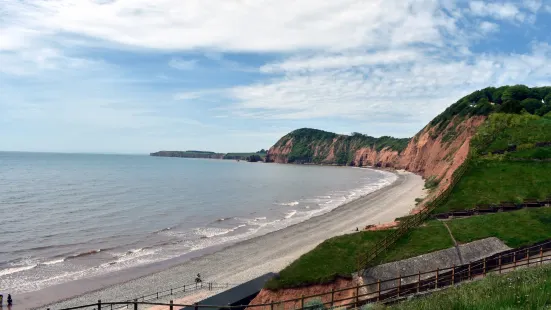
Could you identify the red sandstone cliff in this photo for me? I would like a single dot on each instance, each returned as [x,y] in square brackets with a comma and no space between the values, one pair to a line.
[431,152]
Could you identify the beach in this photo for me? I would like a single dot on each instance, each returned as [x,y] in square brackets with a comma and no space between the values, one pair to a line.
[239,262]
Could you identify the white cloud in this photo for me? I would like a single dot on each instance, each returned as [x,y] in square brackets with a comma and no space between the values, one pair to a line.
[532,5]
[237,25]
[488,27]
[348,60]
[39,59]
[414,91]
[503,11]
[182,64]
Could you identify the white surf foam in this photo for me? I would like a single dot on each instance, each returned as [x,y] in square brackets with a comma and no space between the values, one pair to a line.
[8,271]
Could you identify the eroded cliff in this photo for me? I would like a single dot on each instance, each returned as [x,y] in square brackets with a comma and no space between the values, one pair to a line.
[436,151]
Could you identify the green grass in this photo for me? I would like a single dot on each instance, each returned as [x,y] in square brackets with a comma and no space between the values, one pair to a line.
[333,257]
[540,153]
[516,228]
[521,289]
[338,255]
[433,236]
[494,181]
[531,132]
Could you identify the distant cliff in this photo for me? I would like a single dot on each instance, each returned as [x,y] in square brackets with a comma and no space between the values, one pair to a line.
[250,156]
[189,154]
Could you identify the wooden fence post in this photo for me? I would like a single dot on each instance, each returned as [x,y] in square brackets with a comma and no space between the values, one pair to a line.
[436,283]
[135,304]
[418,281]
[484,268]
[357,294]
[399,284]
[469,271]
[302,302]
[171,304]
[453,275]
[499,263]
[184,287]
[541,255]
[196,306]
[157,295]
[272,305]
[378,289]
[528,257]
[514,260]
[170,291]
[99,304]
[332,297]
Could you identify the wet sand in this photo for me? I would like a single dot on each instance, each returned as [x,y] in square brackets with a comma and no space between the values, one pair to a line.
[242,261]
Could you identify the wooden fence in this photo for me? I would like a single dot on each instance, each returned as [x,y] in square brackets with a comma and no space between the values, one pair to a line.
[383,291]
[495,208]
[367,258]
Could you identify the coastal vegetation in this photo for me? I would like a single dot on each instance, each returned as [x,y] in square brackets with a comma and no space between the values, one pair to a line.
[521,289]
[313,146]
[338,256]
[493,181]
[248,156]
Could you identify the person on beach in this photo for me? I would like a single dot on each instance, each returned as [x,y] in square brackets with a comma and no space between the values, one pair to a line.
[198,279]
[10,301]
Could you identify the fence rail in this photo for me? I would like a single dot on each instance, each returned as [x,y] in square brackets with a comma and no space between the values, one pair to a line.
[384,291]
[495,208]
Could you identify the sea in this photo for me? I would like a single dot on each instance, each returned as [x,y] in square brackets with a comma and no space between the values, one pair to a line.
[65,217]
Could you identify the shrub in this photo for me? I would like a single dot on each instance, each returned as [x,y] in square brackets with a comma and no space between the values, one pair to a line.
[431,183]
[315,304]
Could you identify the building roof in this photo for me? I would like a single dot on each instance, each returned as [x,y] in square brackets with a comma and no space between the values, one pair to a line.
[239,295]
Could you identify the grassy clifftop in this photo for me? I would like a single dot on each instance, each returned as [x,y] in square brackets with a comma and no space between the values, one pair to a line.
[314,146]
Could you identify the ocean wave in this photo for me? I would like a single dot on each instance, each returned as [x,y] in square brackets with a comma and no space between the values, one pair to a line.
[290,214]
[8,271]
[53,262]
[209,232]
[85,254]
[289,204]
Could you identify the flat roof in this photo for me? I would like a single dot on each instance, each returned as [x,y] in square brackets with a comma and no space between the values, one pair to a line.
[238,293]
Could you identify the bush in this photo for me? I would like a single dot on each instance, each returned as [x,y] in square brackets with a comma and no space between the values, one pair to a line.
[315,304]
[431,183]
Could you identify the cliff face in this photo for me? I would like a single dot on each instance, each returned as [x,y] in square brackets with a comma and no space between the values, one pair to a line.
[433,151]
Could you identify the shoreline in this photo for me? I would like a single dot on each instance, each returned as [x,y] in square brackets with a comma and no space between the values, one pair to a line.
[230,263]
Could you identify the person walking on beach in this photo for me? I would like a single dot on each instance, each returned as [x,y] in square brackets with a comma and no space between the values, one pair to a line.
[10,301]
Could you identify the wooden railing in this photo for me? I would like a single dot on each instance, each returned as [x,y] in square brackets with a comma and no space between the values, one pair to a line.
[495,208]
[383,291]
[369,256]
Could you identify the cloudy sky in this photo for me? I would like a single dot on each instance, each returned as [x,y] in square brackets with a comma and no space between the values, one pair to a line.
[134,76]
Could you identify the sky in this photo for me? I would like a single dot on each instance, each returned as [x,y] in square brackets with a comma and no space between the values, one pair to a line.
[138,76]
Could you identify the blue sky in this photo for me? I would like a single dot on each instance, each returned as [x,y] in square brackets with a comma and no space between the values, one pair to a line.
[136,76]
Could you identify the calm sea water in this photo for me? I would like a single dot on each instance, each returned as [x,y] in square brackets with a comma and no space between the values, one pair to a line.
[68,216]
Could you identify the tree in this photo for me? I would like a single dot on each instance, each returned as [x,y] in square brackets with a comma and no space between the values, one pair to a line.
[517,92]
[531,105]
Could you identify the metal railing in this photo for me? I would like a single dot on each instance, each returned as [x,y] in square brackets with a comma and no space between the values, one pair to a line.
[383,291]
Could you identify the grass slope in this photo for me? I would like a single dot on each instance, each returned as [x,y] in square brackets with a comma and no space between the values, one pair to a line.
[429,238]
[335,256]
[522,289]
[517,228]
[488,181]
[338,255]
